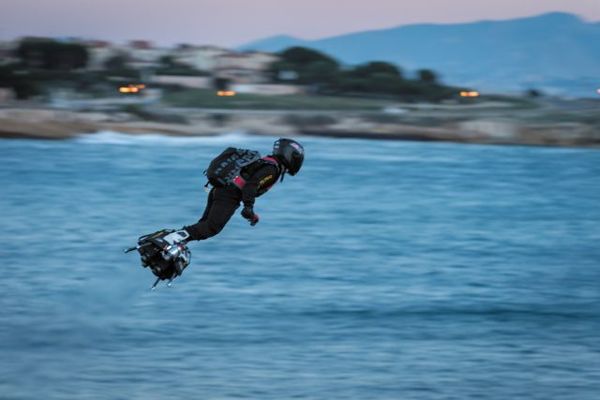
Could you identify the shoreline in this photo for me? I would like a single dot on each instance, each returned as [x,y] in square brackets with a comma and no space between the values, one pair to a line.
[486,125]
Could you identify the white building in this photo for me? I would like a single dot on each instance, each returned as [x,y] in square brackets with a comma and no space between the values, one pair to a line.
[143,54]
[139,53]
[193,82]
[250,67]
[203,58]
[99,52]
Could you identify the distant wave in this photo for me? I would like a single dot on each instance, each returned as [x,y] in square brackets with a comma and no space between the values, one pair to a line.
[118,138]
[558,312]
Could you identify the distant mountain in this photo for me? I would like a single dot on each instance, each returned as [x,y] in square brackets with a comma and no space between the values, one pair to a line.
[556,52]
[274,43]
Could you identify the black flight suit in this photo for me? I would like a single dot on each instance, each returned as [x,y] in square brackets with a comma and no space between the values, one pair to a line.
[223,201]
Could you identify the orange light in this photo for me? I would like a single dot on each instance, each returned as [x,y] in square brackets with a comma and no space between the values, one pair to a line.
[131,88]
[472,93]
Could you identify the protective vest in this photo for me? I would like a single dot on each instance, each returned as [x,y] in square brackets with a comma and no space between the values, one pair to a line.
[248,171]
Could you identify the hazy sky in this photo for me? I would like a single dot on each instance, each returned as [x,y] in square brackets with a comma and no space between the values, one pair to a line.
[234,22]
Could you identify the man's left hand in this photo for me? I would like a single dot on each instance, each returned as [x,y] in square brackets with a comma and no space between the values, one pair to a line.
[248,213]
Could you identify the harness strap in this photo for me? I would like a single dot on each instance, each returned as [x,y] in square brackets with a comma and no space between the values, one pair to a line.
[241,182]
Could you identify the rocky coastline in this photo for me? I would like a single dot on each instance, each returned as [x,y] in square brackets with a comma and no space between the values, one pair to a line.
[557,123]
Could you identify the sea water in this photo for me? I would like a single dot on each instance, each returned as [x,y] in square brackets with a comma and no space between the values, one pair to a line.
[383,270]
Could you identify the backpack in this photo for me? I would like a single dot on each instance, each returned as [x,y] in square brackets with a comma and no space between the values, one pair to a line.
[223,169]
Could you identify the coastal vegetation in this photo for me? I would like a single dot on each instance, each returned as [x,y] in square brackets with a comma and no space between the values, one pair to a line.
[42,65]
[52,55]
[325,75]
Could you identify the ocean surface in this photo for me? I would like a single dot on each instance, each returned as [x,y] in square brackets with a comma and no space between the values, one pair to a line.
[383,270]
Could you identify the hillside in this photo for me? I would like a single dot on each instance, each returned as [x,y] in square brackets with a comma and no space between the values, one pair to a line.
[556,52]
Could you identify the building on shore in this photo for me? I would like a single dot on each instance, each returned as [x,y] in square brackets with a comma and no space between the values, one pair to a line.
[143,54]
[191,82]
[244,68]
[138,54]
[190,66]
[246,72]
[202,58]
[99,51]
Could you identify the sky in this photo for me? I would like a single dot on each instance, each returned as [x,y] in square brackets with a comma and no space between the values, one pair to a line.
[232,23]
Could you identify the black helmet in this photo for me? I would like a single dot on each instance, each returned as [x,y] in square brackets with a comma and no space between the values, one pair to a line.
[290,153]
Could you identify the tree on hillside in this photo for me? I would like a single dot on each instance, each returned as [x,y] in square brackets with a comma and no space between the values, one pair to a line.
[533,93]
[116,62]
[377,68]
[169,65]
[385,83]
[375,77]
[50,54]
[167,61]
[322,72]
[22,86]
[307,66]
[304,56]
[427,76]
[350,84]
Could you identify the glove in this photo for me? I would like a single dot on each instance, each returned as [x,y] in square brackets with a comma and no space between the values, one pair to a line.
[248,213]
